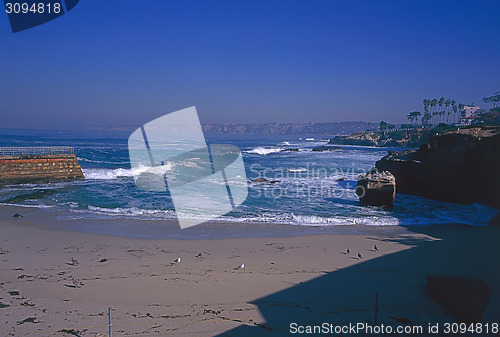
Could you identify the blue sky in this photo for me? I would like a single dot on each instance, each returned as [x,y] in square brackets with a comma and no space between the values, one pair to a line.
[121,62]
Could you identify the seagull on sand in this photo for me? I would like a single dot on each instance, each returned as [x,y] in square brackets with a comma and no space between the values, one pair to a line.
[76,283]
[376,248]
[74,262]
[348,251]
[199,255]
[359,255]
[177,260]
[241,266]
[3,251]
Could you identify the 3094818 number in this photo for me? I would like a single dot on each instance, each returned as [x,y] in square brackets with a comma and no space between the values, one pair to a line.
[35,8]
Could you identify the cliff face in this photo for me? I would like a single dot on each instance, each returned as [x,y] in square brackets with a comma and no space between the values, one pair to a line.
[461,166]
[39,168]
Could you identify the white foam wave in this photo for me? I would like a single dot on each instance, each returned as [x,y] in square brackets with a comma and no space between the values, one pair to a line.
[265,151]
[300,169]
[309,138]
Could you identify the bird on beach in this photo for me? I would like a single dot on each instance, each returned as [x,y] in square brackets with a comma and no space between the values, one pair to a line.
[74,262]
[76,283]
[3,251]
[348,251]
[376,248]
[241,266]
[177,260]
[199,255]
[359,255]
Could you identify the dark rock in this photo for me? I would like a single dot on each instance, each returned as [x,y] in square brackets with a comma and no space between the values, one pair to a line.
[463,298]
[103,260]
[495,221]
[39,194]
[264,180]
[17,215]
[327,148]
[342,179]
[376,188]
[290,150]
[460,166]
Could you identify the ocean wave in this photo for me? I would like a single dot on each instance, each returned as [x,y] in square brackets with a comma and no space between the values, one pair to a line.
[110,174]
[300,169]
[265,151]
[313,220]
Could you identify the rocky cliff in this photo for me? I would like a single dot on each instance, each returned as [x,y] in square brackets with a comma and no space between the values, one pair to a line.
[400,138]
[462,166]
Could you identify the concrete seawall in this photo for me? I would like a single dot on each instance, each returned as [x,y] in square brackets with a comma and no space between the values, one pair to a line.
[39,168]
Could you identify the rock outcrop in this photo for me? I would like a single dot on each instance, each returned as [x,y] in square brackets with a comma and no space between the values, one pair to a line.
[463,298]
[327,148]
[376,188]
[495,221]
[460,166]
[403,138]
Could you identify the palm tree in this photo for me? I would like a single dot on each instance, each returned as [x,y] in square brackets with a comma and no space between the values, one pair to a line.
[433,104]
[440,104]
[454,108]
[448,112]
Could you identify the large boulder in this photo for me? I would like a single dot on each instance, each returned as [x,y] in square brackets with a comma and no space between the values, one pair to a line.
[376,188]
[463,298]
[461,166]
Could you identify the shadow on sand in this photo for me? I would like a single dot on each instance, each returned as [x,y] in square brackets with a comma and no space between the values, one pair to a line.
[348,295]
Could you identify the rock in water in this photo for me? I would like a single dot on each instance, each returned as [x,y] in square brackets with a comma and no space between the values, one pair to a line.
[326,148]
[463,298]
[376,188]
[495,221]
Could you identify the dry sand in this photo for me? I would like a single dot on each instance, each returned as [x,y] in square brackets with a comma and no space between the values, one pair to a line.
[294,279]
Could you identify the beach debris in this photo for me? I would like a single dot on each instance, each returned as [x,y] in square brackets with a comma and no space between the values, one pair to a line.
[76,283]
[13,293]
[241,266]
[360,256]
[28,320]
[73,332]
[73,262]
[348,251]
[375,248]
[4,305]
[17,215]
[199,255]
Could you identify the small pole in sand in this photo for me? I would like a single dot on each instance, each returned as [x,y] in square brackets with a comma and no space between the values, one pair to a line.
[109,323]
[376,307]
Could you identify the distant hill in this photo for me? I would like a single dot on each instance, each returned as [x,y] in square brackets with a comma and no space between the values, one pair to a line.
[304,129]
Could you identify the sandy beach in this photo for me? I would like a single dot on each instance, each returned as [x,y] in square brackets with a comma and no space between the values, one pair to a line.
[300,279]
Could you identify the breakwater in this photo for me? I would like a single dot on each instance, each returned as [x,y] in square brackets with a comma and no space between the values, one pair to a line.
[38,164]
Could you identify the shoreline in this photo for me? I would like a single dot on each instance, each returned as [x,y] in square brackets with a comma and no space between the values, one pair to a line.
[168,229]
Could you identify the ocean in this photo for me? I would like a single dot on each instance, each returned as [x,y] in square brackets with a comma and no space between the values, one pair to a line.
[312,190]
